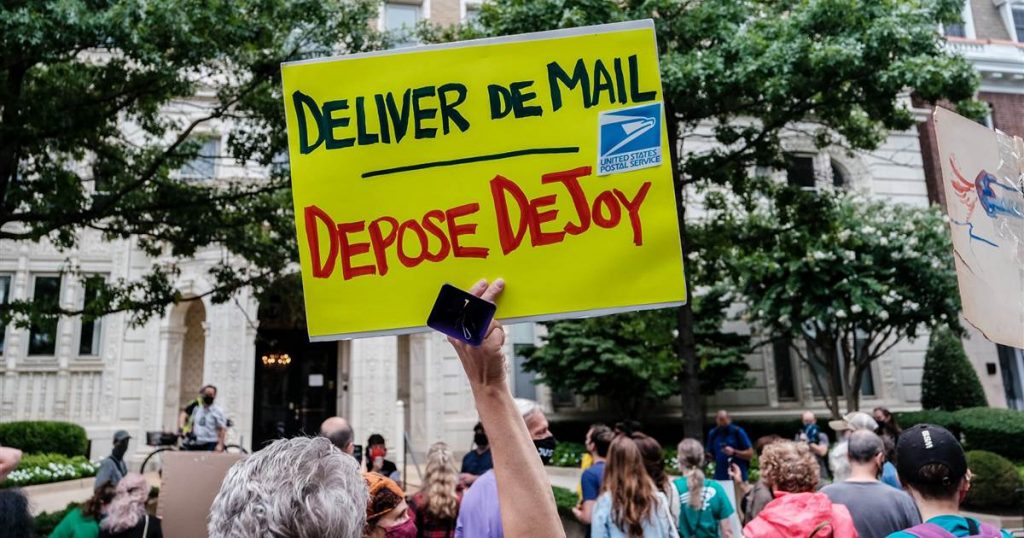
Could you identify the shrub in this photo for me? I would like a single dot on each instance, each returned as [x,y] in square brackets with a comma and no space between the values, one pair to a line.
[568,454]
[46,468]
[995,430]
[995,482]
[938,417]
[47,521]
[949,380]
[45,436]
[565,500]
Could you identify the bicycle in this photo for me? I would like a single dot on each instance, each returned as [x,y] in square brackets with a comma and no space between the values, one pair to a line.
[172,441]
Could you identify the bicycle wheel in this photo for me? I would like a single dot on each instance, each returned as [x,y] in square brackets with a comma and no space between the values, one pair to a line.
[145,462]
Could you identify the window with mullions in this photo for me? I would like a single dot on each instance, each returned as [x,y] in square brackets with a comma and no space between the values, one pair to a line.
[204,165]
[89,337]
[955,29]
[1018,23]
[401,20]
[42,337]
[800,171]
[785,383]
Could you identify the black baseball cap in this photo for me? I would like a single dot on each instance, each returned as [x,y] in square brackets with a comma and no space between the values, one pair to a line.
[925,444]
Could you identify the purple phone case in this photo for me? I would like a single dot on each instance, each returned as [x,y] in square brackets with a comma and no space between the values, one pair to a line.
[461,315]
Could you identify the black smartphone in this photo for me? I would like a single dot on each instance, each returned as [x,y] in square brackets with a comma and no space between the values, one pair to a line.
[357,452]
[461,315]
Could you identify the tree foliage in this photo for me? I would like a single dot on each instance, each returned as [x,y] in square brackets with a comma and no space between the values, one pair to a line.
[742,76]
[949,381]
[102,102]
[630,358]
[842,277]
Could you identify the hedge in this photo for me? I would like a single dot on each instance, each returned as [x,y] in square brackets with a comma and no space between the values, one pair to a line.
[45,436]
[946,419]
[995,481]
[981,428]
[46,468]
[46,522]
[996,430]
[565,501]
[949,381]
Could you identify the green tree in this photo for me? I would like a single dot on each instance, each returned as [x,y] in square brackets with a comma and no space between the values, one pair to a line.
[841,277]
[630,358]
[738,74]
[103,101]
[949,381]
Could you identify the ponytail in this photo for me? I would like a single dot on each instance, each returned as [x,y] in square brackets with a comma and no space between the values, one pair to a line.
[691,459]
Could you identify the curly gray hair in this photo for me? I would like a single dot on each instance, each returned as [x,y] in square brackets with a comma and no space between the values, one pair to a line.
[295,488]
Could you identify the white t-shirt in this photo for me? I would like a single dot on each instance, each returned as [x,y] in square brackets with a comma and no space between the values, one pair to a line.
[206,421]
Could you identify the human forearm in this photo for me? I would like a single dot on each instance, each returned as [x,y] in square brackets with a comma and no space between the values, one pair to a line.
[524,491]
[517,468]
[726,528]
[746,454]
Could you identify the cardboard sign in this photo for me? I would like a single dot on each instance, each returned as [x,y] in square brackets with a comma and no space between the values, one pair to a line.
[541,158]
[983,178]
[189,483]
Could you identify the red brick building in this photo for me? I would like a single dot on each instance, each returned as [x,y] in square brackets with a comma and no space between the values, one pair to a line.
[992,38]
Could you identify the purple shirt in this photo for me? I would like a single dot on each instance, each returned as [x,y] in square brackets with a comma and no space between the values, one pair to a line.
[479,513]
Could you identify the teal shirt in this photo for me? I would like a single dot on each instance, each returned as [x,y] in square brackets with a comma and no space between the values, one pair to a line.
[956,525]
[702,523]
[75,525]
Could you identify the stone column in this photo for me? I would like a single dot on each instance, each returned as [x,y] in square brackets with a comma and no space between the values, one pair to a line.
[373,387]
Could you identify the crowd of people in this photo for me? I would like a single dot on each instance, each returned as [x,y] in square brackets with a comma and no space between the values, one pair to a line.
[875,481]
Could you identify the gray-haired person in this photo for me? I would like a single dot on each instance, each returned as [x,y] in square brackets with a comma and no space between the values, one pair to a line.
[877,509]
[292,488]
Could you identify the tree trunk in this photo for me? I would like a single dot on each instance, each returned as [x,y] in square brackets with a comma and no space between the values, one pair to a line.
[686,349]
[853,389]
[827,351]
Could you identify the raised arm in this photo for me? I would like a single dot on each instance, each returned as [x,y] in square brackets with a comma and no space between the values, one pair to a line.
[524,491]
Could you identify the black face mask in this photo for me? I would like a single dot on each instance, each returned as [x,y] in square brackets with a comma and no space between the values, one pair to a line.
[480,439]
[208,400]
[546,448]
[119,450]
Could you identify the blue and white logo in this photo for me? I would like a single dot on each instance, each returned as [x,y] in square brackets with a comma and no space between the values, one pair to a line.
[629,139]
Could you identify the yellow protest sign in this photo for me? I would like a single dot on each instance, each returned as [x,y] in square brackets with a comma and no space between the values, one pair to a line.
[541,158]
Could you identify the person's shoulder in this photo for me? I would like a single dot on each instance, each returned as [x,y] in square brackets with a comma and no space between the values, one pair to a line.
[681,484]
[713,484]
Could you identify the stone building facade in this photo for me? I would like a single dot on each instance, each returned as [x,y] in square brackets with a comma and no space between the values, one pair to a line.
[992,38]
[109,375]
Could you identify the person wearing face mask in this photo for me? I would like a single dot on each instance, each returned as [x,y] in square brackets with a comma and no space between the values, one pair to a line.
[477,461]
[202,423]
[387,513]
[113,468]
[480,513]
[877,509]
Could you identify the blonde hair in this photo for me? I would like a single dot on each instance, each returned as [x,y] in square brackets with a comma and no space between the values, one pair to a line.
[790,467]
[691,462]
[634,495]
[440,482]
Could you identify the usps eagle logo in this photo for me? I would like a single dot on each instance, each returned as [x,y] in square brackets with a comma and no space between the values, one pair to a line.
[629,139]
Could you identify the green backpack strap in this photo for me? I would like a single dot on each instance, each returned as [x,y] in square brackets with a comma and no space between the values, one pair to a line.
[820,526]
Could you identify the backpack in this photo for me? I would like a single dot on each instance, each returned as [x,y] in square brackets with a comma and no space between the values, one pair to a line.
[931,530]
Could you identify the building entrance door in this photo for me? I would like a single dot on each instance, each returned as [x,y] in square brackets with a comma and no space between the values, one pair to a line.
[295,379]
